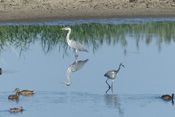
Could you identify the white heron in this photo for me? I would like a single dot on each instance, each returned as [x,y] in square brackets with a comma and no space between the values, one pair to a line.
[74,44]
[112,74]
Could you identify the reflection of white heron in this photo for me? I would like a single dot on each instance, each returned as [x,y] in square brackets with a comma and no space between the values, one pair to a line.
[74,44]
[73,68]
[112,74]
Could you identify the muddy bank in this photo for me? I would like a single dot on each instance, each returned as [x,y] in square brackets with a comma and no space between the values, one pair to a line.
[43,10]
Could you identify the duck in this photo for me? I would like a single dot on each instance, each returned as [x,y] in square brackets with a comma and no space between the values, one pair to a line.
[13,96]
[16,109]
[24,92]
[167,97]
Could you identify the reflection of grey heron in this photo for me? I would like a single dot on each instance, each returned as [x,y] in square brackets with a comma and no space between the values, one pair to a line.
[113,102]
[74,44]
[112,74]
[73,68]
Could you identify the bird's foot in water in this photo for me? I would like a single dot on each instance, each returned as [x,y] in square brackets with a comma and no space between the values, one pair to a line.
[76,55]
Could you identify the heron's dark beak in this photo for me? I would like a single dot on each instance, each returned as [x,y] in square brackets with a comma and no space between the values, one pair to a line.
[123,66]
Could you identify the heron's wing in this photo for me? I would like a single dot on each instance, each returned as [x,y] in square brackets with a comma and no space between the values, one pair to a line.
[110,73]
[78,46]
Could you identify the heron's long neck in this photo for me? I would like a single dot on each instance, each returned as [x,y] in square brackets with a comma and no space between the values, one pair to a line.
[119,68]
[68,83]
[68,35]
[67,75]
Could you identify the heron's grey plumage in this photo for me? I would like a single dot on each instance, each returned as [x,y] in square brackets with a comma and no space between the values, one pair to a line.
[112,74]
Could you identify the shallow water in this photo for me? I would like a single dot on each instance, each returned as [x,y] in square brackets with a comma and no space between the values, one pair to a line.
[87,104]
[148,74]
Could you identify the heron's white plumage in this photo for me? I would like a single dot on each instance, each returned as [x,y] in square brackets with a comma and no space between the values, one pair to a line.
[74,44]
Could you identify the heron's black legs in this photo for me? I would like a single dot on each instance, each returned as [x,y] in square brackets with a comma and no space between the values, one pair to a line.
[108,85]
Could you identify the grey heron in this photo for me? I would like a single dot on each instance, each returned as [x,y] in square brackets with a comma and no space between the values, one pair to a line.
[74,44]
[112,74]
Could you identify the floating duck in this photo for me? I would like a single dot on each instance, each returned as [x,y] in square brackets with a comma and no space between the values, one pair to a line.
[13,96]
[167,97]
[16,109]
[24,92]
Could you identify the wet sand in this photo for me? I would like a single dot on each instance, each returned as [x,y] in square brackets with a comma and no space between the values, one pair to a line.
[44,10]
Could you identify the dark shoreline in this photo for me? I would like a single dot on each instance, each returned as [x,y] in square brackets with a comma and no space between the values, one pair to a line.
[42,20]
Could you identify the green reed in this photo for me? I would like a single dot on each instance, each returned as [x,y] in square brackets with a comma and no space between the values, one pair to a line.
[93,34]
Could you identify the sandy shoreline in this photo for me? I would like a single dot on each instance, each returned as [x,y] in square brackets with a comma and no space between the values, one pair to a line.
[44,10]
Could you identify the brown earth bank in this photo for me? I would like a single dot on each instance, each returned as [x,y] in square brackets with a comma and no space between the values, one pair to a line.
[45,10]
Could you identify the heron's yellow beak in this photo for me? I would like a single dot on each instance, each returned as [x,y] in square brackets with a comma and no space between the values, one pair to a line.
[67,84]
[62,29]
